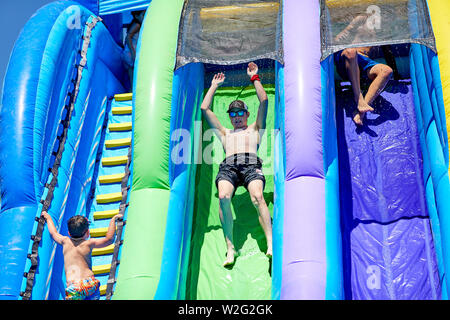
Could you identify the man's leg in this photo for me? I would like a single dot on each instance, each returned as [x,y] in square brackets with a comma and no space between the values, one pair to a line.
[255,188]
[226,190]
[352,67]
[380,75]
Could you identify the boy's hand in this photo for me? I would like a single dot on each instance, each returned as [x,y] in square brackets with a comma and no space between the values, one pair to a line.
[45,215]
[118,216]
[52,229]
[252,69]
[218,79]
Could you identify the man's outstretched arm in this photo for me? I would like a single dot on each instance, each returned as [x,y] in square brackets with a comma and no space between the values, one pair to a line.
[209,115]
[252,70]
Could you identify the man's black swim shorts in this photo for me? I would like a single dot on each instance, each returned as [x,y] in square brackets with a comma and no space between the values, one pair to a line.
[240,169]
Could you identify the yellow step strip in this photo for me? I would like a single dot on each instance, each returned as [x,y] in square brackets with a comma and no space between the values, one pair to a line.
[98,232]
[123,96]
[124,126]
[114,143]
[114,161]
[98,215]
[109,197]
[103,290]
[111,178]
[122,110]
[102,251]
[105,268]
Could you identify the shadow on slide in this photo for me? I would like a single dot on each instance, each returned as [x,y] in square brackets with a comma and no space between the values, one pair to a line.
[250,277]
[387,240]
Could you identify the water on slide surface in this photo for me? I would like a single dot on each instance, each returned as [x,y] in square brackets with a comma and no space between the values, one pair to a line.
[387,238]
[250,277]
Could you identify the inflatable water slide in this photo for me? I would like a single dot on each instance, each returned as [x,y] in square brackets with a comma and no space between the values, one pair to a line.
[358,212]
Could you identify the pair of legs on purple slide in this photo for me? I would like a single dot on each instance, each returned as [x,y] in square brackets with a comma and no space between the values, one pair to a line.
[352,65]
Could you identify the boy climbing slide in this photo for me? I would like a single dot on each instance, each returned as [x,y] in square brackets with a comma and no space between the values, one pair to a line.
[77,249]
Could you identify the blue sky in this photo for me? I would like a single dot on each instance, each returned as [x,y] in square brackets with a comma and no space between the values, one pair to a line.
[13,16]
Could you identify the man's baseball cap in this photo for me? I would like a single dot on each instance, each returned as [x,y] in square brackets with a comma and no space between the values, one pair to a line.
[237,105]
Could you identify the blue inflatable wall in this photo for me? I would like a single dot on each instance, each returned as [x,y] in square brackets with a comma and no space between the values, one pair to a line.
[40,79]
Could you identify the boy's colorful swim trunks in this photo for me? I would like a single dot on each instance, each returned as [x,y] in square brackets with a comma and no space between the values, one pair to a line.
[87,289]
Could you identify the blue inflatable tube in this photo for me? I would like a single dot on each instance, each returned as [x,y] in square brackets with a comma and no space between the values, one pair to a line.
[334,288]
[429,113]
[41,74]
[24,133]
[57,208]
[279,178]
[186,96]
[191,122]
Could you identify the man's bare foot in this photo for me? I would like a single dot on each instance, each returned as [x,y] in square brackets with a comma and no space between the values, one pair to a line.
[231,258]
[358,117]
[269,253]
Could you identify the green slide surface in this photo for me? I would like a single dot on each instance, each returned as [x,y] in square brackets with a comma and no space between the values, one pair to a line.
[250,277]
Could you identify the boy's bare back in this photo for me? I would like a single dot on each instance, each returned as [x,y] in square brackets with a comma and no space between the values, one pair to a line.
[77,251]
[77,259]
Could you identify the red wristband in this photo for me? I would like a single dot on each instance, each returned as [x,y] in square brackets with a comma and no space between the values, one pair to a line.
[255,77]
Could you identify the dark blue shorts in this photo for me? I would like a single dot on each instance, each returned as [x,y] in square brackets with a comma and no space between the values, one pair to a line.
[365,64]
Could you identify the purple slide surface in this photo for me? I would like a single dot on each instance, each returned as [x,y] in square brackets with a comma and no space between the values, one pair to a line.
[387,240]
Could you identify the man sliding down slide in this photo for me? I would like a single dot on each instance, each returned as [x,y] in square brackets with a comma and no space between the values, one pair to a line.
[241,167]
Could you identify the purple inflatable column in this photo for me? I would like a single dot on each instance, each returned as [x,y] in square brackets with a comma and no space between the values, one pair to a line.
[304,251]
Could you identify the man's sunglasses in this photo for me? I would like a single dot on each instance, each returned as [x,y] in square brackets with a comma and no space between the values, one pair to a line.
[239,113]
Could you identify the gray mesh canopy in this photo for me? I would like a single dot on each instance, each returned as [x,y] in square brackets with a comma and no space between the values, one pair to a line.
[367,23]
[227,32]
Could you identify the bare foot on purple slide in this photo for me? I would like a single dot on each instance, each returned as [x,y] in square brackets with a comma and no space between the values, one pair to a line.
[358,117]
[363,106]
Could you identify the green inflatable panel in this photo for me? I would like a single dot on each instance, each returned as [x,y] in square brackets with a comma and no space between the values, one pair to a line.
[250,277]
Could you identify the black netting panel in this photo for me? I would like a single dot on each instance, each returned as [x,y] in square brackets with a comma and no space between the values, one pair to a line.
[367,23]
[227,32]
